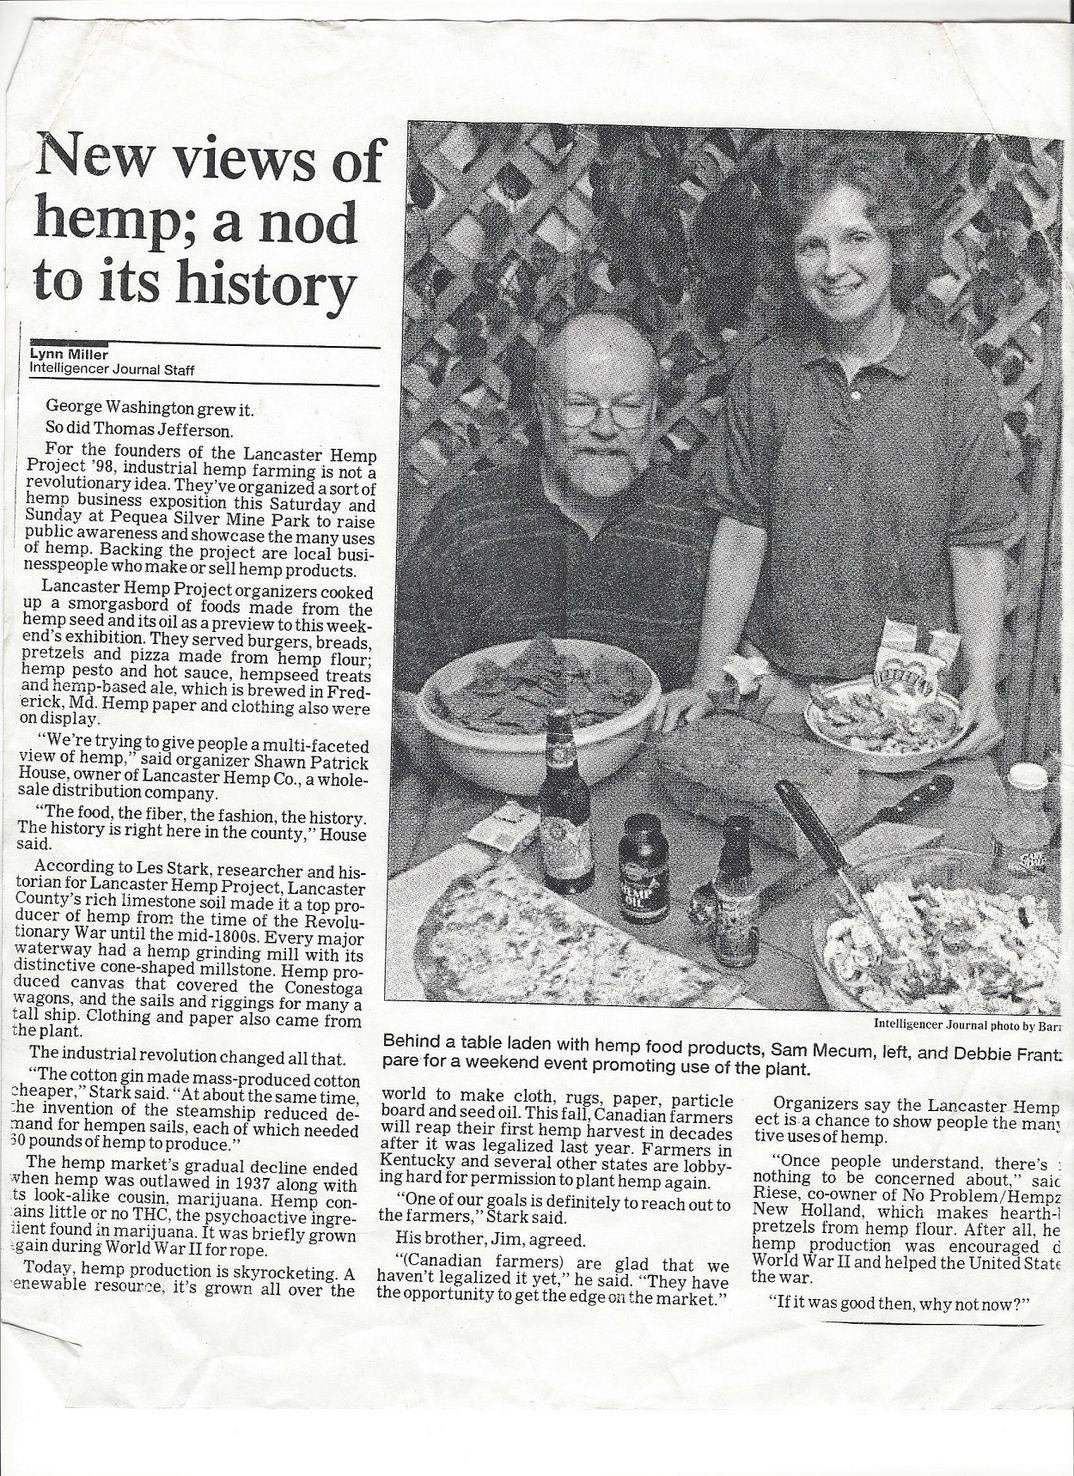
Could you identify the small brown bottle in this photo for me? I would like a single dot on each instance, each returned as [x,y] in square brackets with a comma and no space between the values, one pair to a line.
[566,841]
[735,934]
[644,892]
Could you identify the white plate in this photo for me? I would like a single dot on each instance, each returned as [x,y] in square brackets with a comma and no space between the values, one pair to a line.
[884,763]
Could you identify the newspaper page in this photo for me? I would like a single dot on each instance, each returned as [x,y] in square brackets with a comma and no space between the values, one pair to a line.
[438,514]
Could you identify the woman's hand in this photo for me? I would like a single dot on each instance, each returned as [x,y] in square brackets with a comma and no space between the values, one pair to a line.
[984,731]
[686,704]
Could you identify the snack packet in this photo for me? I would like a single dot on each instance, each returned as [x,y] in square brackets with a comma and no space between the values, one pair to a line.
[911,677]
[739,680]
[945,644]
[746,672]
[507,829]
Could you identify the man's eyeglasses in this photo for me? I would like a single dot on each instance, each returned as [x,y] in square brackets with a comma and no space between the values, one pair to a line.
[627,414]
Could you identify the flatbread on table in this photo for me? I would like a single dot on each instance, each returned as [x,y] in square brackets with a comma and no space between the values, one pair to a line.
[500,938]
[728,765]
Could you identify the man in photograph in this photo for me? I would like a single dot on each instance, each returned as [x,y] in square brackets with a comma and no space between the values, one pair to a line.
[585,539]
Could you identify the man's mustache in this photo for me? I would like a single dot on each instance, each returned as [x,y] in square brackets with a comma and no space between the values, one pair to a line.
[636,456]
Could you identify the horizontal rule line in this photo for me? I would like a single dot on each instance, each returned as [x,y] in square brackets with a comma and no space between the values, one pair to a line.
[178,382]
[69,343]
[191,343]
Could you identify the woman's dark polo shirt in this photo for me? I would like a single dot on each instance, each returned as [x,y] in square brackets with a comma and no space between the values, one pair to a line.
[862,489]
[496,561]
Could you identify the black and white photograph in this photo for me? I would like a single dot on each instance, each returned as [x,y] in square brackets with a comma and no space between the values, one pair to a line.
[727,657]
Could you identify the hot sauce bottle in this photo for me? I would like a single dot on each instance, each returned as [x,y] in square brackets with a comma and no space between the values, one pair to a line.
[566,841]
[735,934]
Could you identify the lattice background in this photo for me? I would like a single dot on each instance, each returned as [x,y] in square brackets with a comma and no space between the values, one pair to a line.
[512,227]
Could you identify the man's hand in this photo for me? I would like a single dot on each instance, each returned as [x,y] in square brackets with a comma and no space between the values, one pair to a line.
[984,730]
[686,704]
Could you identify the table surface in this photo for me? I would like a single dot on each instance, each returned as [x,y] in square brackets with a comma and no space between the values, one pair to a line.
[429,816]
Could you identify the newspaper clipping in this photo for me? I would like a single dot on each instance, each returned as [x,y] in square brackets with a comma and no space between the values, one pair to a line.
[587,545]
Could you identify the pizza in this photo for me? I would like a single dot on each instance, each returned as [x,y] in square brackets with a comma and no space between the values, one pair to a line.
[500,938]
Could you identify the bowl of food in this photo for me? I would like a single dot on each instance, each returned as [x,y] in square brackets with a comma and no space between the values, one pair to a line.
[961,942]
[882,731]
[486,713]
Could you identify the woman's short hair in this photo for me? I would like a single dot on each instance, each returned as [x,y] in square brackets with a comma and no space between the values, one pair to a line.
[892,204]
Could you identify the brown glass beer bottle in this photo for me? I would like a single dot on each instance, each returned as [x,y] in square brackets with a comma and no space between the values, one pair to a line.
[566,841]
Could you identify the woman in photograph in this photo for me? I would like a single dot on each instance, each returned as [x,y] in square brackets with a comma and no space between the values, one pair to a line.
[862,471]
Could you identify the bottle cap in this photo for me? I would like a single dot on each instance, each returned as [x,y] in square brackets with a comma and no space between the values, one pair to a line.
[1029,777]
[643,824]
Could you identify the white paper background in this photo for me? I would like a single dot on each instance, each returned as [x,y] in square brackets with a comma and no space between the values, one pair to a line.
[962,79]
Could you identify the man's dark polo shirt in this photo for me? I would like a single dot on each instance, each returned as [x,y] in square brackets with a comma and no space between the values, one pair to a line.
[863,489]
[496,561]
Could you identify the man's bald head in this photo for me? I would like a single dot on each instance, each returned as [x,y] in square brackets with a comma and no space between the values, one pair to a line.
[592,337]
[596,392]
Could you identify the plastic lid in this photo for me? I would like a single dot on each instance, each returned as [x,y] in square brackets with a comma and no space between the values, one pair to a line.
[642,824]
[1030,777]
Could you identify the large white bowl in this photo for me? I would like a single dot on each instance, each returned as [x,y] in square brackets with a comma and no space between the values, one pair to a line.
[513,763]
[941,867]
[885,763]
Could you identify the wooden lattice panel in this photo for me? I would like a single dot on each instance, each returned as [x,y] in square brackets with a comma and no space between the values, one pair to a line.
[505,237]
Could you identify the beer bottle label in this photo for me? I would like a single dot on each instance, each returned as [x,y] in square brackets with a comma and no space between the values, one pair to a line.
[566,849]
[560,754]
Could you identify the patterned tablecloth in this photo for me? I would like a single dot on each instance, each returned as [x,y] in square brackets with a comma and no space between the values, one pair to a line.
[429,848]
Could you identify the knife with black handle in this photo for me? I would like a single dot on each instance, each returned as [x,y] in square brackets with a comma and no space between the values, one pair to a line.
[937,789]
[827,848]
[806,872]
